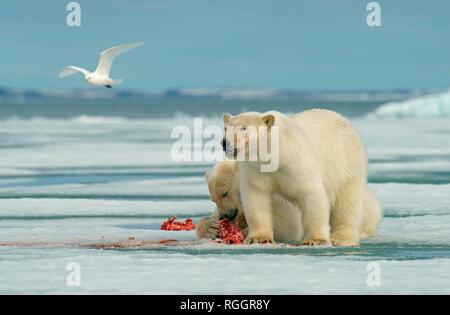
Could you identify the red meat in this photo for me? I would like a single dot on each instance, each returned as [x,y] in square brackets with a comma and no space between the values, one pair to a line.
[173,225]
[230,233]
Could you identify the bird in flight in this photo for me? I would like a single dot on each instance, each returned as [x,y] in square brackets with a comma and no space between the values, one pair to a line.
[100,76]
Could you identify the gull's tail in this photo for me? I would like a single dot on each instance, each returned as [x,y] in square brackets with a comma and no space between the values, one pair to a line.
[117,81]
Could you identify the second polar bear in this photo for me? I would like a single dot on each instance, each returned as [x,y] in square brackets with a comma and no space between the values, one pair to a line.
[223,185]
[322,169]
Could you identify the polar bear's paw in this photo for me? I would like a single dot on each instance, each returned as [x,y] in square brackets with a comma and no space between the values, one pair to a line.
[344,239]
[314,242]
[259,239]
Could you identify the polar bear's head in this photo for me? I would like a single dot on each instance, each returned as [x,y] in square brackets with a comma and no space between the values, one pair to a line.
[243,131]
[223,185]
[252,137]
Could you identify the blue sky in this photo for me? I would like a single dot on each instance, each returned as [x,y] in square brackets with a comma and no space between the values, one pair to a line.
[298,44]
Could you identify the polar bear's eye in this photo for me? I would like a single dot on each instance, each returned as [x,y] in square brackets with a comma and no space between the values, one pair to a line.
[225,194]
[243,128]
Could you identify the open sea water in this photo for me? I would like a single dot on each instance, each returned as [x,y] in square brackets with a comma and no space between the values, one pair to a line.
[86,172]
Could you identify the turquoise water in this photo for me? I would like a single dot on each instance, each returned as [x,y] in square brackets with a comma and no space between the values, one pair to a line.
[164,108]
[77,174]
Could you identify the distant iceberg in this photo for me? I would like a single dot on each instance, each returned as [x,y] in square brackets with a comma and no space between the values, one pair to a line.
[433,105]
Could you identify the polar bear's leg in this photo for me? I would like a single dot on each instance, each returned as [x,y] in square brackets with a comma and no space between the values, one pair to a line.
[208,227]
[372,214]
[316,218]
[346,215]
[257,205]
[287,220]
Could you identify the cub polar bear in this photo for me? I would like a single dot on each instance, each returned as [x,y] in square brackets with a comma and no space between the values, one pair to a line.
[322,170]
[223,185]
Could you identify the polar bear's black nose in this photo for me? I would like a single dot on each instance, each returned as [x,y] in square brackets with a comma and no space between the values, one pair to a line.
[224,144]
[230,214]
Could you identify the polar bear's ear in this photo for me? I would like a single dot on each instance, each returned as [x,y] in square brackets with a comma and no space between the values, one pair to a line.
[269,120]
[226,118]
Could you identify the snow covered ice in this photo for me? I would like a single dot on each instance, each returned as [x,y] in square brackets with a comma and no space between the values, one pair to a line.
[94,179]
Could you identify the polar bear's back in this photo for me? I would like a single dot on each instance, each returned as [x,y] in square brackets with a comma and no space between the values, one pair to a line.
[336,143]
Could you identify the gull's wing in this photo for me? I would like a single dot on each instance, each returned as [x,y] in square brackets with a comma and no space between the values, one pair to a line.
[107,57]
[71,70]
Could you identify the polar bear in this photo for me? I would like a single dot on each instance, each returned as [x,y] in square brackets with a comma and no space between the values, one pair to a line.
[223,185]
[322,170]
